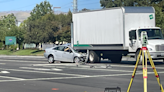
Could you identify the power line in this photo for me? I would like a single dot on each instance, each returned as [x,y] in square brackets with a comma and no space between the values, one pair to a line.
[4,1]
[66,4]
[26,6]
[89,3]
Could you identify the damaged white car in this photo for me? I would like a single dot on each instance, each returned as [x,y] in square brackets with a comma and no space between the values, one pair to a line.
[63,53]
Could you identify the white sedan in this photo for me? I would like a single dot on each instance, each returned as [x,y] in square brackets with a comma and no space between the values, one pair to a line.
[63,53]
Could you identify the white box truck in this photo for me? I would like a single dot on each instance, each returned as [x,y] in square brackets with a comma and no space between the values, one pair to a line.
[115,32]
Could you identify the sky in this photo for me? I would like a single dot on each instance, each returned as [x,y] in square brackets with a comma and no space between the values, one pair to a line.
[28,5]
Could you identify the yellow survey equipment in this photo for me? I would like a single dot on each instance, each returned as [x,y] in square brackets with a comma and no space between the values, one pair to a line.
[145,54]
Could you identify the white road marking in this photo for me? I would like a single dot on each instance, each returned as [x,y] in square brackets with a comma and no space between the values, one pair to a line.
[4,72]
[23,61]
[55,69]
[53,64]
[14,78]
[82,76]
[41,69]
[42,72]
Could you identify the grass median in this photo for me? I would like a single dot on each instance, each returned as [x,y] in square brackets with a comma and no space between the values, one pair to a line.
[25,52]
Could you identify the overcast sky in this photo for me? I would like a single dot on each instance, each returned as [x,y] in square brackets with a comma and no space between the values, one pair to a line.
[17,5]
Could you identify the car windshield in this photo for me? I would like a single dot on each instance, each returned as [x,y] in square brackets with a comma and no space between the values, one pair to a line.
[151,33]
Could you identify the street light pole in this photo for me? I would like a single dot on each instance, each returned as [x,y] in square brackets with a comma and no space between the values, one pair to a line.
[55,8]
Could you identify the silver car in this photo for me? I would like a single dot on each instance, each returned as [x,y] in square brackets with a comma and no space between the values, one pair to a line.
[63,53]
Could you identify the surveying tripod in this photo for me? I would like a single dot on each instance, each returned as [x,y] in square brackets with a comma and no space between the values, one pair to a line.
[145,53]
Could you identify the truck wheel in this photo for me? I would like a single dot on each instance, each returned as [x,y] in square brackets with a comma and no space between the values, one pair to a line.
[93,57]
[116,58]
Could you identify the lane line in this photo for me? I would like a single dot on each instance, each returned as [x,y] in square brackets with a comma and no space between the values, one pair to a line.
[41,69]
[23,61]
[42,72]
[58,78]
[14,78]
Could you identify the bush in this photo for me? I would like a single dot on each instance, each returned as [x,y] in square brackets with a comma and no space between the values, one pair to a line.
[13,47]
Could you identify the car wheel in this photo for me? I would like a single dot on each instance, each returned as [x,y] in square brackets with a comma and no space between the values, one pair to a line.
[76,60]
[51,59]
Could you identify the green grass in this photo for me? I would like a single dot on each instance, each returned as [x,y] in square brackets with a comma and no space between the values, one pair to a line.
[26,52]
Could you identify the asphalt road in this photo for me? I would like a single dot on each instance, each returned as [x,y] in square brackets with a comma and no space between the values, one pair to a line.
[34,74]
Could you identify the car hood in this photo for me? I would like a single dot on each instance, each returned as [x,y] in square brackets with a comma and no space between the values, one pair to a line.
[80,54]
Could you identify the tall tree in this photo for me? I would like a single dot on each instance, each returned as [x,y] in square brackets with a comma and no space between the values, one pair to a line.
[39,25]
[8,21]
[41,30]
[40,10]
[118,3]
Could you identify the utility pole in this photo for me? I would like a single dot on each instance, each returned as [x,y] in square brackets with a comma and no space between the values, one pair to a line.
[75,6]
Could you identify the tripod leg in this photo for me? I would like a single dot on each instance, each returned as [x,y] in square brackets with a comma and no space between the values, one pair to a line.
[144,64]
[155,71]
[135,69]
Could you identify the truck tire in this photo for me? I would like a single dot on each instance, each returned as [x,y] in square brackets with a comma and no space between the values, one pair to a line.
[94,57]
[116,58]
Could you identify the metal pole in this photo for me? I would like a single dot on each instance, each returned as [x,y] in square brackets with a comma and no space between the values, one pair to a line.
[75,6]
[54,9]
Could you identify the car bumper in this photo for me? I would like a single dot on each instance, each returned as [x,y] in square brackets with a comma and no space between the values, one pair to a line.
[157,55]
[45,55]
[82,58]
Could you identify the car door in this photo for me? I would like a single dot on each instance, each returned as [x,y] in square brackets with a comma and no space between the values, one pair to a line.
[68,55]
[133,43]
[58,51]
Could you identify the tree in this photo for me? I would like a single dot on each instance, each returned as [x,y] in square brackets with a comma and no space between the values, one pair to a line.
[40,26]
[40,10]
[64,33]
[120,3]
[18,33]
[41,30]
[8,21]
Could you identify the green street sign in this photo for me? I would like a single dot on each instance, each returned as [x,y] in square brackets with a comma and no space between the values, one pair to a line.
[151,16]
[10,40]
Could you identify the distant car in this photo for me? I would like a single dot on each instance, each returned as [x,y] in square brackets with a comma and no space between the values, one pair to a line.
[63,53]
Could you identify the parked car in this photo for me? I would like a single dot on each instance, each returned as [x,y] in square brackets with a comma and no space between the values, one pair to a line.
[63,53]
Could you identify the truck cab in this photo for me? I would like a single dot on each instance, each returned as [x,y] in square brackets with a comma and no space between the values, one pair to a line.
[155,42]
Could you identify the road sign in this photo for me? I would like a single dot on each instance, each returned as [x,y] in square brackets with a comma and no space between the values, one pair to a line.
[10,40]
